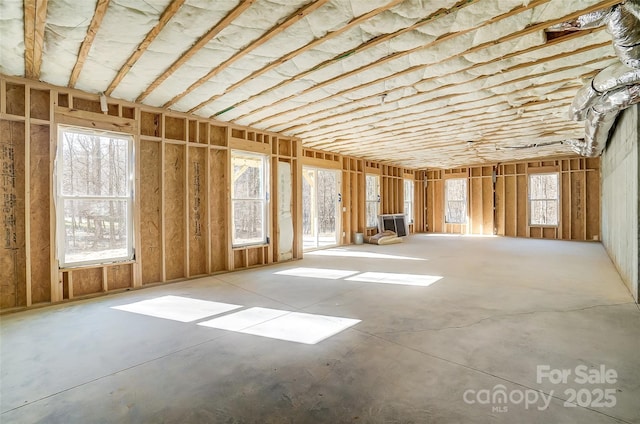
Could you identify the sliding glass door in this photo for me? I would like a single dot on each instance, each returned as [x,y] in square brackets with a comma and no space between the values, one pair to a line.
[320,207]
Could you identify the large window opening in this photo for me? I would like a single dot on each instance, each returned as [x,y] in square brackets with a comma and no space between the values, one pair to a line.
[249,198]
[373,200]
[94,196]
[455,200]
[544,197]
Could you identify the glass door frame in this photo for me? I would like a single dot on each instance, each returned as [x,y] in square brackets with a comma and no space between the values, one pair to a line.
[338,209]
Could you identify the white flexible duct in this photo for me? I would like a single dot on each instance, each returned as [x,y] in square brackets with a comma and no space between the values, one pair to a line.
[624,27]
[614,88]
[610,78]
[623,23]
[600,118]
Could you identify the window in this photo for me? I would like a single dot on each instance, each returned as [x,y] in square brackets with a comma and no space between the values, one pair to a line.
[408,200]
[94,196]
[249,198]
[373,200]
[455,200]
[543,199]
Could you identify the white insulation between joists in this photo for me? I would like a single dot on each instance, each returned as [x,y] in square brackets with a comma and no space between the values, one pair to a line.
[494,69]
[467,17]
[65,30]
[476,89]
[124,26]
[190,23]
[428,55]
[386,22]
[442,87]
[249,26]
[12,44]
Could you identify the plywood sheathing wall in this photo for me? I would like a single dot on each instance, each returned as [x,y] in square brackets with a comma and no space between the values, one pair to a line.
[182,209]
[501,207]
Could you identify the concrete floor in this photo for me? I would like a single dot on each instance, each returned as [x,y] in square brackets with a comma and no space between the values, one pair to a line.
[421,354]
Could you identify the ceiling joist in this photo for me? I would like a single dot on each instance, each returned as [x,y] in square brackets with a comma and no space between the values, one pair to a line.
[277,29]
[377,108]
[35,16]
[166,16]
[363,47]
[311,124]
[202,41]
[529,30]
[98,16]
[423,118]
[353,23]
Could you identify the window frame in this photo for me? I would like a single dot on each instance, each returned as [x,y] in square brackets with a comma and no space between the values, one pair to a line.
[59,197]
[410,217]
[375,201]
[530,200]
[465,201]
[264,199]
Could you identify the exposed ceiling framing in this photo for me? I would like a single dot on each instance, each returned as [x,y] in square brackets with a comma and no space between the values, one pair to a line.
[405,81]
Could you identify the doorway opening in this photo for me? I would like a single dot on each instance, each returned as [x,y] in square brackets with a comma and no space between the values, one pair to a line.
[320,207]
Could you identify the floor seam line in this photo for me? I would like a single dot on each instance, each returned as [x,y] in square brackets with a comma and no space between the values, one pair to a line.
[498,316]
[488,374]
[116,372]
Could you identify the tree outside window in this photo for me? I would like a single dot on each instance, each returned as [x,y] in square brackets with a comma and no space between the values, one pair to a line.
[94,193]
[455,200]
[249,198]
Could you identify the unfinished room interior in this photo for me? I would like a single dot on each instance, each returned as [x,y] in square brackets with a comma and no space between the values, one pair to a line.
[330,211]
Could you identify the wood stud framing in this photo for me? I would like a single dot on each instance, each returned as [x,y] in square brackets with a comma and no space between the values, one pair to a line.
[499,205]
[183,213]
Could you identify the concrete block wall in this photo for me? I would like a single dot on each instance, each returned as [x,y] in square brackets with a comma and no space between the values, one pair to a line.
[620,197]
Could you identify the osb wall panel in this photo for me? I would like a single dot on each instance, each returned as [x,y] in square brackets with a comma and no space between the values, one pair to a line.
[197,211]
[40,218]
[12,186]
[87,281]
[181,208]
[182,193]
[150,216]
[174,211]
[119,276]
[218,205]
